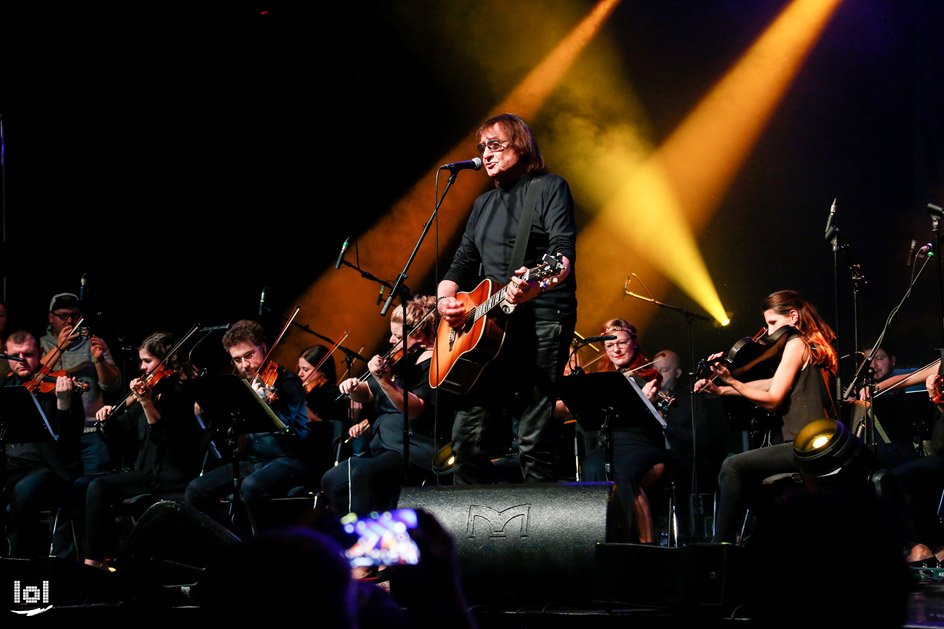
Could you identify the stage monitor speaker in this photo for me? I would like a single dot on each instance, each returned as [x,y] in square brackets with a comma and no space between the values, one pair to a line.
[525,543]
[170,546]
[700,575]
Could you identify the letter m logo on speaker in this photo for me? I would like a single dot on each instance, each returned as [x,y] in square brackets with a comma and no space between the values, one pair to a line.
[496,522]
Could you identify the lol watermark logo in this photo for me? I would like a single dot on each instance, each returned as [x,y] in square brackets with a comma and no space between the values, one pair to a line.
[31,599]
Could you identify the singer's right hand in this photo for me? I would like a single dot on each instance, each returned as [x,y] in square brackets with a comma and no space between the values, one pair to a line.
[451,310]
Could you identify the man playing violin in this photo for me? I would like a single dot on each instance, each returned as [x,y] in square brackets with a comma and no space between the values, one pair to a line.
[525,375]
[273,463]
[88,359]
[39,473]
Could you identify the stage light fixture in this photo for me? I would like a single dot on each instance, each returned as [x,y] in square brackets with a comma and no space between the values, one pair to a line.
[827,454]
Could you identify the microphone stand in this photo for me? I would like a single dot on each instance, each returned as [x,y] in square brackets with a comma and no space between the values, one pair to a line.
[399,288]
[867,361]
[832,237]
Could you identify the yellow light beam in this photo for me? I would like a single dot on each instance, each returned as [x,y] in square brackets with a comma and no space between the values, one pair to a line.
[677,188]
[385,248]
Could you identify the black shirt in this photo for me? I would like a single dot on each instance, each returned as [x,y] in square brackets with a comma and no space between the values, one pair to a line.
[489,240]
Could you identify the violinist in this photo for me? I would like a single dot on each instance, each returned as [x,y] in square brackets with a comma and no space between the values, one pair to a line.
[319,390]
[373,480]
[325,411]
[88,359]
[798,393]
[639,455]
[38,474]
[159,419]
[273,463]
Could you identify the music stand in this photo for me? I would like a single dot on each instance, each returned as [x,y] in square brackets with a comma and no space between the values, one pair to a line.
[21,421]
[230,403]
[606,401]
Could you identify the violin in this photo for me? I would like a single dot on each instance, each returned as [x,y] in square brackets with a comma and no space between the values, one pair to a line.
[151,380]
[46,382]
[267,377]
[751,358]
[643,374]
[267,373]
[311,381]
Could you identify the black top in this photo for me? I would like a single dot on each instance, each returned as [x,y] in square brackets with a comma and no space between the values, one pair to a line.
[388,426]
[169,448]
[489,240]
[62,456]
[809,400]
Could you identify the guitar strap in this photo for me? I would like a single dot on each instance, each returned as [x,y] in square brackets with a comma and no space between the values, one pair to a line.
[535,185]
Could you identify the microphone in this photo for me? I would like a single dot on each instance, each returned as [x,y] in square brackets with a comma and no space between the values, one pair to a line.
[380,295]
[914,243]
[262,300]
[831,229]
[595,339]
[82,287]
[629,278]
[341,256]
[475,164]
[213,328]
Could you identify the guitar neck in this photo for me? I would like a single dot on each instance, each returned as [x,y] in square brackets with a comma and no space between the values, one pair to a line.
[483,309]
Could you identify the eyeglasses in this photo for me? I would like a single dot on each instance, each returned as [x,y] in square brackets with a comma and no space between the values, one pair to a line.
[493,145]
[620,344]
[66,316]
[245,358]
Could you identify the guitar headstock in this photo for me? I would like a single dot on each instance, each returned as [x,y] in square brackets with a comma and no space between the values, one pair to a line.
[550,265]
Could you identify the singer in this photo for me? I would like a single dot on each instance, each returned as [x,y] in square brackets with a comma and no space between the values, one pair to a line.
[523,378]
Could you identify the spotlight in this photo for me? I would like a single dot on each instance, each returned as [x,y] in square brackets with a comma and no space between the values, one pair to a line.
[444,460]
[828,455]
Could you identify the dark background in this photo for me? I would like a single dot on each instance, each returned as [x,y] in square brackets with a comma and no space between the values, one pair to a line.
[186,158]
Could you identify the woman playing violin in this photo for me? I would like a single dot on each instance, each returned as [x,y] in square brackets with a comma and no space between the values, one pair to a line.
[159,420]
[798,393]
[325,411]
[318,382]
[372,480]
[639,454]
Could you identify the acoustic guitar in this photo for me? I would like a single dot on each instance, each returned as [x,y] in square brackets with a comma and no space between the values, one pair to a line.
[462,352]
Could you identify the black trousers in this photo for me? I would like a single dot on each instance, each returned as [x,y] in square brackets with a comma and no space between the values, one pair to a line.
[741,477]
[262,481]
[364,483]
[28,492]
[94,501]
[523,378]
